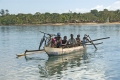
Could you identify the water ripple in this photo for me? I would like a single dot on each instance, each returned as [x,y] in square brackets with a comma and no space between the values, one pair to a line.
[102,64]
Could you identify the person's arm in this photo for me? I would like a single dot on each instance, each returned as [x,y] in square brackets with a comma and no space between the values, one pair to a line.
[75,41]
[80,41]
[60,40]
[68,41]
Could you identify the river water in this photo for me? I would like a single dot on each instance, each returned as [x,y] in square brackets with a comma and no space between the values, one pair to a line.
[89,64]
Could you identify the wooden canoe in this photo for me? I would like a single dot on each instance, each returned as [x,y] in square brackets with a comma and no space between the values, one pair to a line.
[60,51]
[52,51]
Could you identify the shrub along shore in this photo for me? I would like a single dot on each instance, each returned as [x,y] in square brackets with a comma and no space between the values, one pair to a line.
[61,24]
[70,18]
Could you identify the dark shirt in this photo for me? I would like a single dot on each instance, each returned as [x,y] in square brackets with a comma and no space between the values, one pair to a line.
[64,41]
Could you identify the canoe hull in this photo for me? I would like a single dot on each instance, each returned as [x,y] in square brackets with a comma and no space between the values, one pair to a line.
[61,51]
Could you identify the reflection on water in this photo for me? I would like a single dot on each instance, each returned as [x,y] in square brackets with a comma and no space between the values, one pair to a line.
[58,64]
[102,64]
[71,66]
[61,62]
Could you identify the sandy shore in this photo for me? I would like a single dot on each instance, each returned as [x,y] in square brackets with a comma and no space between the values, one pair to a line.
[60,24]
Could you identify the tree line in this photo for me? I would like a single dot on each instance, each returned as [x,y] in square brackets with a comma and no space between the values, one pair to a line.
[71,17]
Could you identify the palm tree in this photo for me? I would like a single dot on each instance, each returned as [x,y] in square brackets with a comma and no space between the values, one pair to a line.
[2,12]
[7,12]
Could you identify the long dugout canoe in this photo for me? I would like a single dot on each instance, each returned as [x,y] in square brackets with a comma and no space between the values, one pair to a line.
[60,51]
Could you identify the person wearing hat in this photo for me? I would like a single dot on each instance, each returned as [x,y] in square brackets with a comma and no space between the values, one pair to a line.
[58,40]
[72,42]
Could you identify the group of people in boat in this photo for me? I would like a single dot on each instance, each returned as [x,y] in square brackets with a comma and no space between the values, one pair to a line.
[57,41]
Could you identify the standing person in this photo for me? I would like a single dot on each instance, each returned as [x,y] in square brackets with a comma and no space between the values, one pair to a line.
[58,40]
[78,40]
[72,41]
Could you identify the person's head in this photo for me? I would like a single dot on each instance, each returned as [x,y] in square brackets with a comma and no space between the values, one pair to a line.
[71,35]
[78,35]
[65,37]
[84,37]
[58,34]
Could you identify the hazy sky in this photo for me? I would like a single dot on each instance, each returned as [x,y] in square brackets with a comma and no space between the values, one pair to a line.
[58,6]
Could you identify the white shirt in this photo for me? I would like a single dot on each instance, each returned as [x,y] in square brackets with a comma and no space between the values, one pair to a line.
[72,41]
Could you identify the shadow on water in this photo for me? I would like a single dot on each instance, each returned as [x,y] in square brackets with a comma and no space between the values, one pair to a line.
[33,58]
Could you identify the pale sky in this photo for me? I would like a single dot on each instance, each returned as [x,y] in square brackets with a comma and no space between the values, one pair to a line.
[57,6]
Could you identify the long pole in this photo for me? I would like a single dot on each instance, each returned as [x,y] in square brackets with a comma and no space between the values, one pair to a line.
[91,42]
[101,39]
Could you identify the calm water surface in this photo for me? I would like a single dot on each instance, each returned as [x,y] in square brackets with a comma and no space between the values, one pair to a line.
[103,64]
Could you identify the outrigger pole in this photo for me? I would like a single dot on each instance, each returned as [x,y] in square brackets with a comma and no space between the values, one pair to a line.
[49,38]
[41,42]
[95,43]
[91,41]
[100,39]
[24,54]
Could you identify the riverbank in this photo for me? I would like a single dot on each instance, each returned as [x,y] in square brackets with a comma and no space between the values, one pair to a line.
[60,24]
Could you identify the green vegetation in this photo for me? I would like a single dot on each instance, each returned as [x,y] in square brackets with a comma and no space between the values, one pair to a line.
[43,18]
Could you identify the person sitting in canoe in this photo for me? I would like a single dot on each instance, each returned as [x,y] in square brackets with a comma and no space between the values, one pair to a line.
[53,42]
[72,42]
[78,40]
[58,40]
[85,39]
[64,42]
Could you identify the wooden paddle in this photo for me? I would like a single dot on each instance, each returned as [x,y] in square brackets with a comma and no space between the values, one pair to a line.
[91,41]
